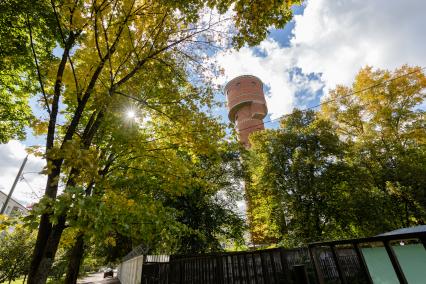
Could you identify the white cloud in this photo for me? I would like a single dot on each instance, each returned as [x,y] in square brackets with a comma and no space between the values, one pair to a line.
[30,189]
[333,39]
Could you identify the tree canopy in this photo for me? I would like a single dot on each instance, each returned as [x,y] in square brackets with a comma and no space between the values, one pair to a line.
[354,168]
[16,246]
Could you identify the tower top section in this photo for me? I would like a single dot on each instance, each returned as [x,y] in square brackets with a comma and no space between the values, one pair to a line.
[243,90]
[246,105]
[248,77]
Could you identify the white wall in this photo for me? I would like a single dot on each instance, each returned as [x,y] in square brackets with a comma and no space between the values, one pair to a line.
[12,205]
[130,271]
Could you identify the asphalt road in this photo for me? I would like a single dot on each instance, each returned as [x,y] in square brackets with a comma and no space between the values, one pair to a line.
[97,278]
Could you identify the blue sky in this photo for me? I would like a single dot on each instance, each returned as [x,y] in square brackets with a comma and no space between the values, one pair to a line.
[326,44]
[282,37]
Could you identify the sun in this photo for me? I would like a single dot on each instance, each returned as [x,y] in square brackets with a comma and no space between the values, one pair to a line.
[130,114]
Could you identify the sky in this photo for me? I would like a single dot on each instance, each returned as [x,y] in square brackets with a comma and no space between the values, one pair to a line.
[325,44]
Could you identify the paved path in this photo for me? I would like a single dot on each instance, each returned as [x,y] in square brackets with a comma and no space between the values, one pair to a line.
[97,278]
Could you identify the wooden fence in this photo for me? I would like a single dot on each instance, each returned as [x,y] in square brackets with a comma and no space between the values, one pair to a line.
[260,267]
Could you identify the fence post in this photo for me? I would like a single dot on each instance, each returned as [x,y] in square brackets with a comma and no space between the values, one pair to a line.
[234,277]
[274,270]
[285,267]
[362,263]
[246,269]
[219,270]
[227,270]
[423,240]
[240,270]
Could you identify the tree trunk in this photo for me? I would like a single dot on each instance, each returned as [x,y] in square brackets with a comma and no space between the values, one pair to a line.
[25,278]
[47,257]
[75,259]
[45,250]
[44,231]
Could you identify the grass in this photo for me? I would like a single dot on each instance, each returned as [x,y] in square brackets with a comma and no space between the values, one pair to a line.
[17,281]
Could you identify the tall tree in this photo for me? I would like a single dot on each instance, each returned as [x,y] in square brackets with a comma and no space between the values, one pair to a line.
[296,187]
[148,191]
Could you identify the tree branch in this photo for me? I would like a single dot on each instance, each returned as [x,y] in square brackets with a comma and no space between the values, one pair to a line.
[46,101]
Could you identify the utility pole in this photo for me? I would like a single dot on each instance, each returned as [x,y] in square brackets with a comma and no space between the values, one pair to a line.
[14,185]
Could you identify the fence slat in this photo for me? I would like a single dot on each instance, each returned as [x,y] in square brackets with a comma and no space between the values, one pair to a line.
[254,268]
[338,264]
[274,269]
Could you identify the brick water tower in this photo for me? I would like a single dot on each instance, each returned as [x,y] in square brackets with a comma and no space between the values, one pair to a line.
[246,105]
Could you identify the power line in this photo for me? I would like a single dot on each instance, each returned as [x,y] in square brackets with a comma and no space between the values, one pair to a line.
[34,192]
[312,107]
[336,99]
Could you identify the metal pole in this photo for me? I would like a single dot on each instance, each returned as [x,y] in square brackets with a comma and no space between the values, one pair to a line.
[363,264]
[395,263]
[14,185]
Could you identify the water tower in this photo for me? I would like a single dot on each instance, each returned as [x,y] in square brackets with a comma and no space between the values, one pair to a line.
[246,105]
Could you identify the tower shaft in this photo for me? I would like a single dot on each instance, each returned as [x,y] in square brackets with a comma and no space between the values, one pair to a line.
[247,109]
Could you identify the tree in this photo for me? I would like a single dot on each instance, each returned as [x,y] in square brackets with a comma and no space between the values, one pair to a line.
[207,208]
[16,244]
[296,187]
[152,191]
[385,128]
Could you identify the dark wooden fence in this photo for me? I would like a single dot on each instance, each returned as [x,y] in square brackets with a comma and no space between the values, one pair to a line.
[292,266]
[257,267]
